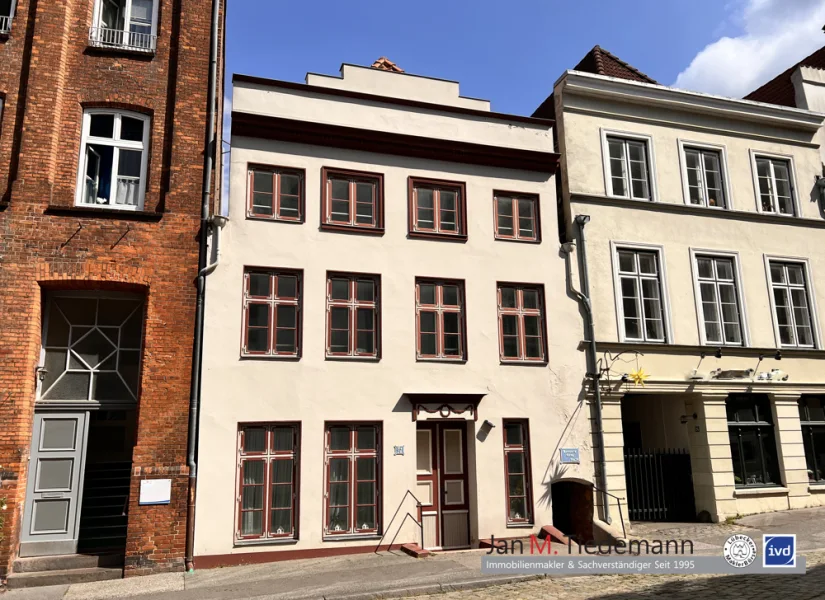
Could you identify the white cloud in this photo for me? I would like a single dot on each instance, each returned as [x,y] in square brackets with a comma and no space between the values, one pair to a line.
[776,34]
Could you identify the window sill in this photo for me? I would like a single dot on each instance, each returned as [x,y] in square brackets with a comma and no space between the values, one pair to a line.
[450,361]
[816,488]
[520,525]
[443,237]
[369,359]
[266,542]
[760,491]
[523,363]
[517,240]
[377,231]
[269,357]
[101,48]
[351,537]
[102,213]
[274,219]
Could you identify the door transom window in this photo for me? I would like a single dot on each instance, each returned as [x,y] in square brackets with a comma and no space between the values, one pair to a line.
[91,348]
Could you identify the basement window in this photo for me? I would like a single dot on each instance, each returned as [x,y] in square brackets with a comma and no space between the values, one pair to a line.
[113,159]
[125,24]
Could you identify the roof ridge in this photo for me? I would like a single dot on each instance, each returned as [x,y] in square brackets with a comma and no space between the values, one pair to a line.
[786,73]
[627,65]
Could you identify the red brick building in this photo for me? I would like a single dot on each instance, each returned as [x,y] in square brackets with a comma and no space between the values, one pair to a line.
[104,109]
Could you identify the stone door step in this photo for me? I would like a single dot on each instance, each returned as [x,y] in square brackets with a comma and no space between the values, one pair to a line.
[62,577]
[65,562]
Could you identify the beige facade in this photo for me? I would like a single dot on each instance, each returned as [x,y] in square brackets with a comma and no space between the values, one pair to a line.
[428,131]
[685,400]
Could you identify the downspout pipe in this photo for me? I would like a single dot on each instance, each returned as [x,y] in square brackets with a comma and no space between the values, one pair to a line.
[203,271]
[592,360]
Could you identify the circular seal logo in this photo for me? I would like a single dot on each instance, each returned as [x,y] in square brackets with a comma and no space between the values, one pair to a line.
[739,551]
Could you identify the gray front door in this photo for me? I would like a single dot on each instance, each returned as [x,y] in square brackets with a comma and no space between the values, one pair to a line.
[54,490]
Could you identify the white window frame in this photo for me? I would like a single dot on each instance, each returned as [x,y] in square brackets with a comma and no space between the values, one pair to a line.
[651,163]
[127,18]
[7,30]
[722,150]
[812,308]
[754,154]
[737,275]
[617,290]
[120,144]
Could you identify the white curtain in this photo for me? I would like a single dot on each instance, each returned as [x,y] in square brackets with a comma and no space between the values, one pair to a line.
[127,191]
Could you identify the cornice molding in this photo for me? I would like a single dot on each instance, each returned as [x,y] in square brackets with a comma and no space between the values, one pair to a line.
[259,126]
[698,211]
[635,92]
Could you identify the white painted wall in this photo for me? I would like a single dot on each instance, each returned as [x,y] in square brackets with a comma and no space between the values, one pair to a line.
[314,390]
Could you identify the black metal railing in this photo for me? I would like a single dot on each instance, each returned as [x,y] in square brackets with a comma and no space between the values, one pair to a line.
[618,503]
[418,522]
[5,24]
[118,38]
[659,485]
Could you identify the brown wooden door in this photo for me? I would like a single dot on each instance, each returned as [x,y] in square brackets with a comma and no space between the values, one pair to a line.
[443,490]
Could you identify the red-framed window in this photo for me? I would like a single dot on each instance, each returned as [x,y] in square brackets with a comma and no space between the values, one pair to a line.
[353,315]
[352,200]
[272,313]
[352,456]
[437,208]
[517,217]
[517,471]
[439,319]
[268,478]
[276,193]
[521,322]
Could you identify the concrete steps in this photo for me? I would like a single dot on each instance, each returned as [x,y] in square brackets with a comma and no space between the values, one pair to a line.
[65,569]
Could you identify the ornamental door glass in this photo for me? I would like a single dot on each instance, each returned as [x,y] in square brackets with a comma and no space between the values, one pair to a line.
[91,349]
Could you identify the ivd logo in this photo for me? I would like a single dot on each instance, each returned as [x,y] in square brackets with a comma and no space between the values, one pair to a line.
[779,550]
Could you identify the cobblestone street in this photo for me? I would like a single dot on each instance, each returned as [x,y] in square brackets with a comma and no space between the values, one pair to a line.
[673,587]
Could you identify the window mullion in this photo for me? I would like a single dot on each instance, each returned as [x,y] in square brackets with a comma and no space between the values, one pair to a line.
[702,172]
[267,517]
[352,201]
[516,228]
[127,18]
[276,195]
[640,306]
[437,210]
[626,168]
[772,182]
[114,181]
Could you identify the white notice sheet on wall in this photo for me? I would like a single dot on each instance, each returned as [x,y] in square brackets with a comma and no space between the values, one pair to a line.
[155,491]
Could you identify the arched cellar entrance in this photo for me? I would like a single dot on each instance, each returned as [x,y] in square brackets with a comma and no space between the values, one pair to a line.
[573,509]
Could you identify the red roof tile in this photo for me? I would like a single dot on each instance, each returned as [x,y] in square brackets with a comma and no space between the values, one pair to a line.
[602,62]
[385,64]
[780,90]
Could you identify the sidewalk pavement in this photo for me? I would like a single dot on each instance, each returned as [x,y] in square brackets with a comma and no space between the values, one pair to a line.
[393,575]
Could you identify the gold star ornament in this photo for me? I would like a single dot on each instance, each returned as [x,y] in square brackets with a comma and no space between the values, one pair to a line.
[639,377]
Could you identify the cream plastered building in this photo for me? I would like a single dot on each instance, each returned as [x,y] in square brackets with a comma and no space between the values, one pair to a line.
[703,235]
[388,323]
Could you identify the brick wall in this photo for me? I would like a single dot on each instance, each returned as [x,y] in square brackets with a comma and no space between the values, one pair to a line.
[48,75]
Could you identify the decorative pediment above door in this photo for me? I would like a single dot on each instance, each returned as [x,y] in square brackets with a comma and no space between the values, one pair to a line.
[431,407]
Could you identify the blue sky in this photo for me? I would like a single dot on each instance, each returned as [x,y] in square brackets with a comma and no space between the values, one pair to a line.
[512,51]
[508,52]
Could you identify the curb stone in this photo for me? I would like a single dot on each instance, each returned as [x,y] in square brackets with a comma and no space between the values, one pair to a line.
[436,588]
